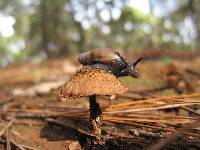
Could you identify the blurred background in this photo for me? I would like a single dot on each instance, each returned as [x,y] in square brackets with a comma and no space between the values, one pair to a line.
[38,29]
[39,44]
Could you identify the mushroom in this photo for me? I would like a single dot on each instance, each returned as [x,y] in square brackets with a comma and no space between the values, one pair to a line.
[91,82]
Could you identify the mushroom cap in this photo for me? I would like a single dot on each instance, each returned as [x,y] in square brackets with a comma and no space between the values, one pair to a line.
[92,81]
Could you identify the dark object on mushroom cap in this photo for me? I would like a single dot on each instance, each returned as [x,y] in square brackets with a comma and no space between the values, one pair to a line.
[92,81]
[111,61]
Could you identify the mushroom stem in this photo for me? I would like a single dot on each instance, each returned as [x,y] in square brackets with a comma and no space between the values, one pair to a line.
[95,118]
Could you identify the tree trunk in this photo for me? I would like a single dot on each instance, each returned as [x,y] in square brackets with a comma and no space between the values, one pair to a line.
[44,26]
[195,15]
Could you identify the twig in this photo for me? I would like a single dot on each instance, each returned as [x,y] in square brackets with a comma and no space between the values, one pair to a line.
[191,71]
[190,110]
[150,108]
[154,100]
[154,127]
[2,132]
[163,142]
[168,138]
[8,146]
[139,115]
[141,125]
[41,115]
[17,145]
[67,125]
[169,121]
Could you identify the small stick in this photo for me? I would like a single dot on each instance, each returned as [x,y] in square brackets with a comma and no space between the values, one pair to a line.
[191,71]
[17,145]
[168,138]
[169,121]
[141,125]
[8,145]
[190,110]
[2,132]
[64,124]
[150,116]
[155,127]
[156,99]
[151,108]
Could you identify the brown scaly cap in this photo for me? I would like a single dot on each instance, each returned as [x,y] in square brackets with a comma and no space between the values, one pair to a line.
[91,81]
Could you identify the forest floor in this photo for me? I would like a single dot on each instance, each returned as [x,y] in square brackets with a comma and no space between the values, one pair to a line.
[159,111]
